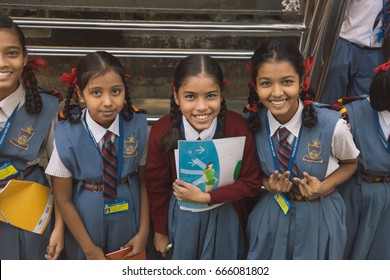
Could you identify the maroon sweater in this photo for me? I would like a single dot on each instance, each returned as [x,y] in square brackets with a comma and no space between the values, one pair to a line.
[161,172]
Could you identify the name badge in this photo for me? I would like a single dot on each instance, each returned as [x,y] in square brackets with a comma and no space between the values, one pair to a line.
[7,170]
[116,207]
[283,202]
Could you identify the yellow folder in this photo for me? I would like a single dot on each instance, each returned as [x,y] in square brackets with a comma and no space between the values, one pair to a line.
[26,205]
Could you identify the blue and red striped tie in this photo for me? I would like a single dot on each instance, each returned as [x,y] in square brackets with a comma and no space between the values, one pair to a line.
[110,168]
[284,154]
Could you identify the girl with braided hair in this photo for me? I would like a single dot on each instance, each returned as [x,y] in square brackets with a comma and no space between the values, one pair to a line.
[198,112]
[98,162]
[26,116]
[305,150]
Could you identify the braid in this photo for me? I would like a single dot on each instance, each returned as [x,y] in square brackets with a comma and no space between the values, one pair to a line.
[309,115]
[171,138]
[253,118]
[33,99]
[67,106]
[127,110]
[221,120]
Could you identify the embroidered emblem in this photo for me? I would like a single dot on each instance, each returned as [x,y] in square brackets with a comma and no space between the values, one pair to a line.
[130,147]
[25,135]
[314,151]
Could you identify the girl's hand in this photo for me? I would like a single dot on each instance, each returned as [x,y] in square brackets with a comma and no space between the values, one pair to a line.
[56,244]
[187,192]
[161,242]
[95,253]
[279,183]
[310,185]
[137,243]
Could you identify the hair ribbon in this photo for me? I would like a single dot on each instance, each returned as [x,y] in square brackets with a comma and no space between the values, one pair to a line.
[383,67]
[69,78]
[308,64]
[36,63]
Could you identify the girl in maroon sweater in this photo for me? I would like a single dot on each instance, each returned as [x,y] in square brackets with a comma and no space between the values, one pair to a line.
[198,112]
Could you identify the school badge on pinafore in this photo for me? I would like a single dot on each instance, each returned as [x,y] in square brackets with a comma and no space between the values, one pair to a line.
[130,147]
[25,135]
[314,151]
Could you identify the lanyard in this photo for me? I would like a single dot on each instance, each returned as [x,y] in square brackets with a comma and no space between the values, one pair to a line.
[4,132]
[382,31]
[378,128]
[273,151]
[120,145]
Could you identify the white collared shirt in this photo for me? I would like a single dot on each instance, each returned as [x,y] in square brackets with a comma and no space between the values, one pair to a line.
[7,107]
[190,133]
[358,23]
[58,169]
[384,121]
[343,146]
[9,104]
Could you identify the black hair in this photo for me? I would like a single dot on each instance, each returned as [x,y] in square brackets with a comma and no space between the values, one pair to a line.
[191,66]
[278,50]
[380,91]
[33,99]
[90,66]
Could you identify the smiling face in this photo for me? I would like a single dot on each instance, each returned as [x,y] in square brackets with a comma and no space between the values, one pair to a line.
[12,60]
[104,97]
[278,85]
[199,98]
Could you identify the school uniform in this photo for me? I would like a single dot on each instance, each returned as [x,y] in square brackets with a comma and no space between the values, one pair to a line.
[77,147]
[313,228]
[367,193]
[214,234]
[358,50]
[23,147]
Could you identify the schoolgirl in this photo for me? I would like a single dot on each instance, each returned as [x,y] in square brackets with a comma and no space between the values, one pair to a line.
[305,152]
[26,116]
[198,111]
[97,162]
[367,193]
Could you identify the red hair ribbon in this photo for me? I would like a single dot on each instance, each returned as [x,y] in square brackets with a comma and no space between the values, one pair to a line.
[36,63]
[248,67]
[69,78]
[225,82]
[308,64]
[307,102]
[251,85]
[128,76]
[172,85]
[383,67]
[251,109]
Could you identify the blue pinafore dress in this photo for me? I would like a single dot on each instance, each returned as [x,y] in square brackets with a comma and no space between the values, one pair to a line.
[309,230]
[80,156]
[368,203]
[21,145]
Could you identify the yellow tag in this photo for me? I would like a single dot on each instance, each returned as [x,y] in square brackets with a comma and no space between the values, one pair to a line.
[282,202]
[115,207]
[7,170]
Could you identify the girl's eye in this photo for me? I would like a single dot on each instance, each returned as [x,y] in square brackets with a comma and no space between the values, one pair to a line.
[212,95]
[189,96]
[265,84]
[116,91]
[288,82]
[13,53]
[96,93]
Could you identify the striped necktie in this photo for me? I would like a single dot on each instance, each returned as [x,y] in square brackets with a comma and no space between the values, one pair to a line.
[284,154]
[110,168]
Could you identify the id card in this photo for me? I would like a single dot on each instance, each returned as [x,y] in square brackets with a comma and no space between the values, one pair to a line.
[116,207]
[7,170]
[283,202]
